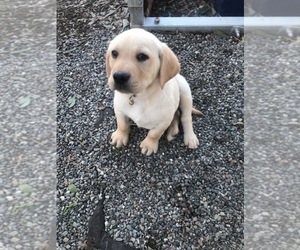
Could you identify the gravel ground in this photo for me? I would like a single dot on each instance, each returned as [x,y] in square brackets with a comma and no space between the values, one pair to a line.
[175,199]
[172,8]
[272,177]
[27,125]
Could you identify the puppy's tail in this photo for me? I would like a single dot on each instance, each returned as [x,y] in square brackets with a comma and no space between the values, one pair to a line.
[196,112]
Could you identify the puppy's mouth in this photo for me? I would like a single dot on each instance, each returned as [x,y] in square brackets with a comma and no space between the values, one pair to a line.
[122,82]
[123,88]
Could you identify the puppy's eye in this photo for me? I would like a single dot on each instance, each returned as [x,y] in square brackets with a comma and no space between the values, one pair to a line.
[141,57]
[114,54]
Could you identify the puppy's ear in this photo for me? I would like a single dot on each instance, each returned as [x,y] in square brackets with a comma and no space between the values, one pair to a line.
[169,65]
[108,70]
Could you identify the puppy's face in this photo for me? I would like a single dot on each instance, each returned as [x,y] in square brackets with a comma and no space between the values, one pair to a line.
[136,59]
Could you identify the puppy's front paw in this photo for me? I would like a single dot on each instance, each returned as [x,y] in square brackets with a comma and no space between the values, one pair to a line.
[149,146]
[191,140]
[119,138]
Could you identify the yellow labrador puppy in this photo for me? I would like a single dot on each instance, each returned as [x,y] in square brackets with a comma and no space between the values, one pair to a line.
[144,75]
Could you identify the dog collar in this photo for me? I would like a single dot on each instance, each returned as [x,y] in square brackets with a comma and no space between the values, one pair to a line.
[131,100]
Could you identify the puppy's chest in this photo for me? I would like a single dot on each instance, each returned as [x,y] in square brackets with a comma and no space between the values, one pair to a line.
[144,116]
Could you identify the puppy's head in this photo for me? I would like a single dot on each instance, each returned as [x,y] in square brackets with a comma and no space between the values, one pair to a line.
[135,59]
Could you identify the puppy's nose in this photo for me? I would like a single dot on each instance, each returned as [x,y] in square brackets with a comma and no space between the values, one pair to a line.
[121,77]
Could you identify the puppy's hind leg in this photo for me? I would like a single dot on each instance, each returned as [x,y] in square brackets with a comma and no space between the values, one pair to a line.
[173,129]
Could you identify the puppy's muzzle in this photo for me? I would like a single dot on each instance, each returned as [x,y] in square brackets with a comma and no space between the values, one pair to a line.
[121,80]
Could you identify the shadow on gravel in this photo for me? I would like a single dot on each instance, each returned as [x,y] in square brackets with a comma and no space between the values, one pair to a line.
[97,237]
